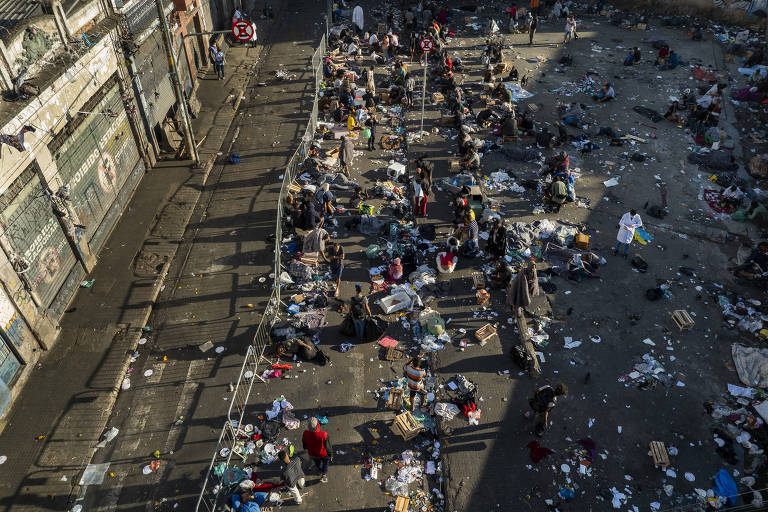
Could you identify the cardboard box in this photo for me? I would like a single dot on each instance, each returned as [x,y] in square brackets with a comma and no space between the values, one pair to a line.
[437,97]
[642,26]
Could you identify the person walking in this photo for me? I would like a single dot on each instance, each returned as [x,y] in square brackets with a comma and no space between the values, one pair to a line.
[317,445]
[358,19]
[542,402]
[346,154]
[359,309]
[629,221]
[533,23]
[293,475]
[410,86]
[570,29]
[336,259]
[414,373]
[371,125]
[218,62]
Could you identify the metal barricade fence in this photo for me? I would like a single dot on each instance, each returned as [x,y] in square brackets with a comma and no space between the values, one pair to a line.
[215,488]
[209,501]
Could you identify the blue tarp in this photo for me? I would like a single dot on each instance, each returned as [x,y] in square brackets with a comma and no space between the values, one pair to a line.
[725,486]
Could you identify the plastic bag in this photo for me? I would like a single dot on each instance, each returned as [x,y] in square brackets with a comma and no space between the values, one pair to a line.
[395,487]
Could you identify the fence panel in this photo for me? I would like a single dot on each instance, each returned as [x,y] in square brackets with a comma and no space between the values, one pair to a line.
[215,486]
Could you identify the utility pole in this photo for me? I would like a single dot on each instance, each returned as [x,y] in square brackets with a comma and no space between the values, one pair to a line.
[176,79]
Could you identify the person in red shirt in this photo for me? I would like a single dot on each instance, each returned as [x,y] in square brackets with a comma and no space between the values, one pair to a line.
[318,447]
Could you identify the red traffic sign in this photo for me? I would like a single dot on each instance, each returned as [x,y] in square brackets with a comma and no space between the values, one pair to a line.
[242,30]
[426,45]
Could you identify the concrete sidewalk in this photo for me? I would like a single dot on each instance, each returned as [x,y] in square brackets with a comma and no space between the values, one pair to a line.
[52,432]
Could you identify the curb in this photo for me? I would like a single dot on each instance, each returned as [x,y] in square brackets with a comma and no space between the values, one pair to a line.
[131,331]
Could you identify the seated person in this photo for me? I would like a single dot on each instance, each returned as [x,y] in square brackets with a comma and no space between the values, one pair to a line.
[503,93]
[398,74]
[578,269]
[472,160]
[488,75]
[673,60]
[513,75]
[661,57]
[527,124]
[396,94]
[358,196]
[509,127]
[395,270]
[572,114]
[446,261]
[672,115]
[545,139]
[248,501]
[607,93]
[287,348]
[501,276]
[558,194]
[352,122]
[633,58]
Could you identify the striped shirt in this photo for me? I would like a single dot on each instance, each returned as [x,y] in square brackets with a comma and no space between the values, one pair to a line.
[415,377]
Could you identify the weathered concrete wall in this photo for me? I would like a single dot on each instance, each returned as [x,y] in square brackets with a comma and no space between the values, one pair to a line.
[82,16]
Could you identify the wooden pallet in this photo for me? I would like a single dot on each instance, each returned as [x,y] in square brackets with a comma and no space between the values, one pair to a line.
[485,333]
[478,279]
[395,400]
[682,319]
[402,503]
[659,454]
[406,427]
[393,354]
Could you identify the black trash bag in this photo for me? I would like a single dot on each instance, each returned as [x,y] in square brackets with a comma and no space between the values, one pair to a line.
[639,263]
[655,211]
[654,294]
[427,231]
[375,327]
[521,358]
[321,358]
[548,287]
[347,326]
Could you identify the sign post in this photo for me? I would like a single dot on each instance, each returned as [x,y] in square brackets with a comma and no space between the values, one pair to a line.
[426,46]
[242,30]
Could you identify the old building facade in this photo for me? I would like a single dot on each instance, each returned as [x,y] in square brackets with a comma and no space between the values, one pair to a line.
[86,91]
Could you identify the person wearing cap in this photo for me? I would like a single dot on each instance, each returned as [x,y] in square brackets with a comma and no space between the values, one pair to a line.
[317,445]
[471,231]
[293,474]
[359,310]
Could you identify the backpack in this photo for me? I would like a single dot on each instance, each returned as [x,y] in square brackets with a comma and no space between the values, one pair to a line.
[356,308]
[541,399]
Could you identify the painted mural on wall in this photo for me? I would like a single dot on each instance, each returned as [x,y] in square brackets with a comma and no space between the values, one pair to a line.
[96,159]
[35,235]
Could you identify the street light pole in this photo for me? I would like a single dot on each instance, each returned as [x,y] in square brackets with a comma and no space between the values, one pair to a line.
[424,93]
[173,64]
